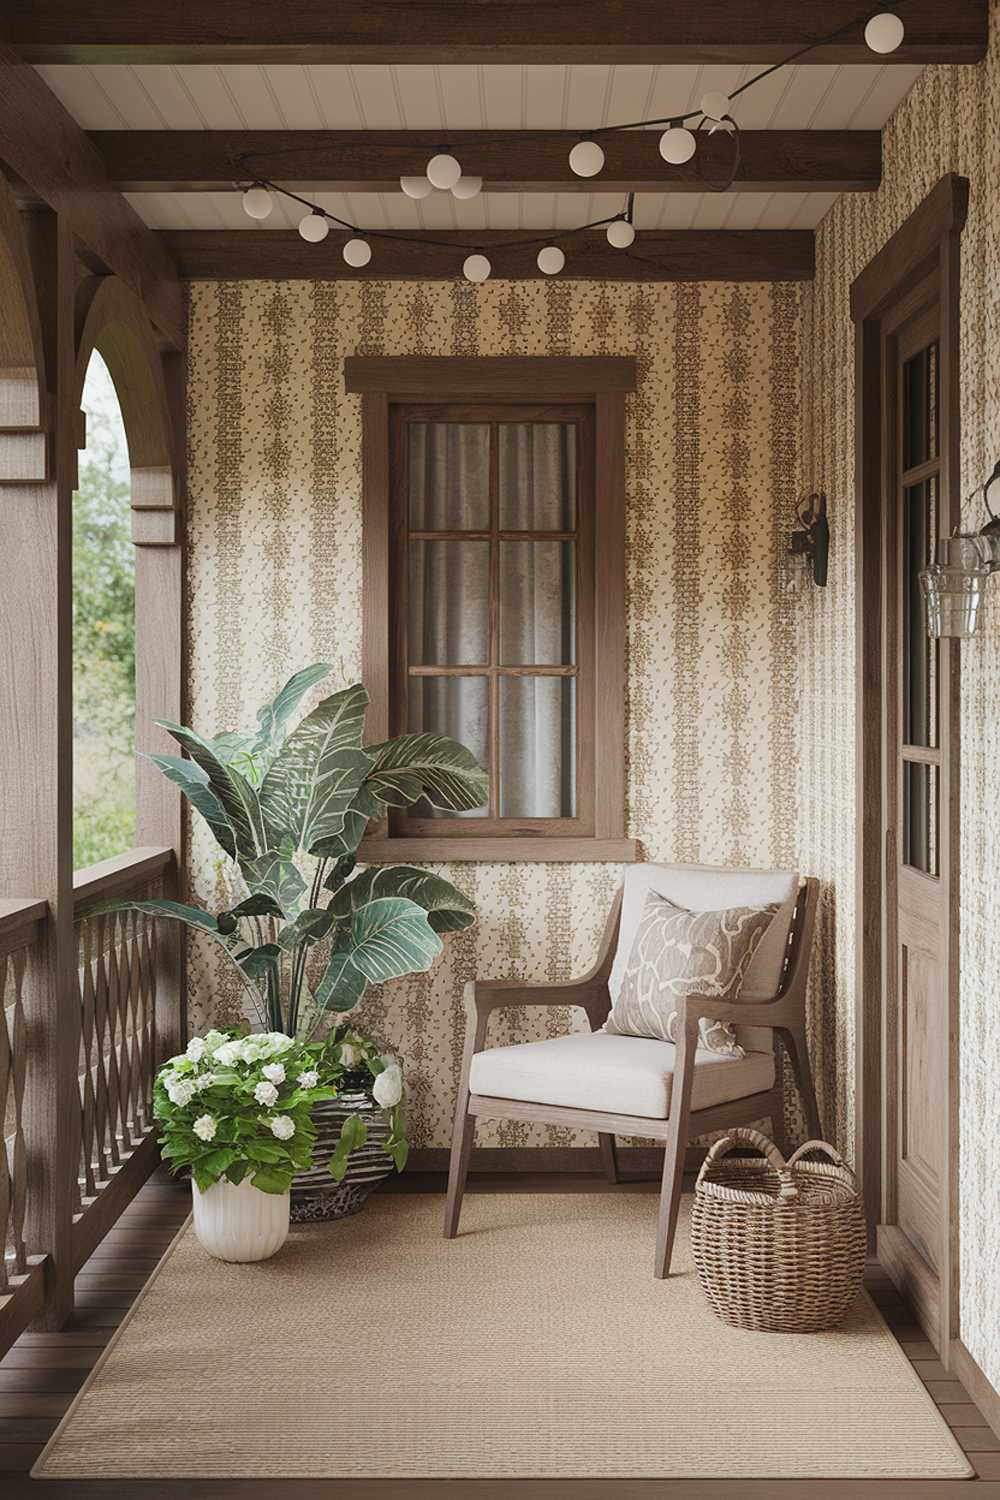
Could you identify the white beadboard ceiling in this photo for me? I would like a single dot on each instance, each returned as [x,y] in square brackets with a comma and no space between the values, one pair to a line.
[488,97]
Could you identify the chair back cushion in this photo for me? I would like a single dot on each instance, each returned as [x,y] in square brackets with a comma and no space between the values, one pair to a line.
[713,888]
[679,952]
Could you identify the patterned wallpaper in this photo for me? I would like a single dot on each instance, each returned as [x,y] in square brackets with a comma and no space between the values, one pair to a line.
[950,121]
[275,582]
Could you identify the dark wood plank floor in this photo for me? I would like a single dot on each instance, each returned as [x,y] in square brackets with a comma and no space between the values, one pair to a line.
[41,1373]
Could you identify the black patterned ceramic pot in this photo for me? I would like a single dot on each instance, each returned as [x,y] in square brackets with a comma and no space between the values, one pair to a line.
[315,1194]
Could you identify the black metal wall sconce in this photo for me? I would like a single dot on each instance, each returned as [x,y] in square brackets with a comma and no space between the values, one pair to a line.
[954,583]
[812,541]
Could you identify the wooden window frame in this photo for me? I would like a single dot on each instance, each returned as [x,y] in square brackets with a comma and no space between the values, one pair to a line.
[599,387]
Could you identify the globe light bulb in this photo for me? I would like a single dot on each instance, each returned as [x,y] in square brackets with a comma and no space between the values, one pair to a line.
[443,171]
[884,32]
[476,268]
[551,260]
[467,187]
[416,187]
[620,234]
[257,201]
[677,145]
[314,228]
[715,105]
[357,253]
[586,159]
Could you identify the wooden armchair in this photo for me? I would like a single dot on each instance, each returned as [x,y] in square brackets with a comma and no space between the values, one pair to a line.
[624,1085]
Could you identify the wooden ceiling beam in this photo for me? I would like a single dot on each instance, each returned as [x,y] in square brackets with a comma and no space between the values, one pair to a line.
[668,255]
[512,161]
[42,146]
[482,31]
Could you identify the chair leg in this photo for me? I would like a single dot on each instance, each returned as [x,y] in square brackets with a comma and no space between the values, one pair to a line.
[458,1167]
[673,1160]
[798,1055]
[609,1157]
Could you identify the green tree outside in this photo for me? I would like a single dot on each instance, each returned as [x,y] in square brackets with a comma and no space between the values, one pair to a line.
[103,632]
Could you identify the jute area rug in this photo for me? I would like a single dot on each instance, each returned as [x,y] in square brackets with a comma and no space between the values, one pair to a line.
[537,1344]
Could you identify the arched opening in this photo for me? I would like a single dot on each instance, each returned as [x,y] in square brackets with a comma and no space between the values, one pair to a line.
[104,802]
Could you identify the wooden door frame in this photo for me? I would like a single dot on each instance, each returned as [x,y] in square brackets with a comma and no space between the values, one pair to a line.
[927,242]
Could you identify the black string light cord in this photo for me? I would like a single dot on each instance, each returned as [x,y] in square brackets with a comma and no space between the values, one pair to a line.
[242,163]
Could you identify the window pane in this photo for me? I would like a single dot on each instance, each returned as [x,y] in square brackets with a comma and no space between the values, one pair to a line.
[456,706]
[537,476]
[449,476]
[919,651]
[920,816]
[538,603]
[537,747]
[920,437]
[449,603]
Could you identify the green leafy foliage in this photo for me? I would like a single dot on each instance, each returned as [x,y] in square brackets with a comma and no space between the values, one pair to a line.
[268,795]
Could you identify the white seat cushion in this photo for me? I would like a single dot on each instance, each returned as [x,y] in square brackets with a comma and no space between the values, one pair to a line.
[712,888]
[626,1075]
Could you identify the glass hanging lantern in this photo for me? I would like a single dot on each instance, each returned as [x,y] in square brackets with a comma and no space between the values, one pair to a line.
[953,587]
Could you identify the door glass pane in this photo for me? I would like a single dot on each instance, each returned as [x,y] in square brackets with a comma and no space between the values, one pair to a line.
[537,747]
[458,707]
[449,603]
[919,651]
[920,816]
[449,474]
[920,413]
[537,603]
[537,464]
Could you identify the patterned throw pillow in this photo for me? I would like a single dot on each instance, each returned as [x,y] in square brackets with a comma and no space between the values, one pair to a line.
[677,953]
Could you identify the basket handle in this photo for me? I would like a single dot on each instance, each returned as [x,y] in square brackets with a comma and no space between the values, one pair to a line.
[742,1135]
[830,1151]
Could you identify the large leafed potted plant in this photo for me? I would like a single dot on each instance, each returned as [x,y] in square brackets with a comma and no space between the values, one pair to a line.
[310,930]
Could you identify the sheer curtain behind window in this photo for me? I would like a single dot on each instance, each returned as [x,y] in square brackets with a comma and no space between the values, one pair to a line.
[532,579]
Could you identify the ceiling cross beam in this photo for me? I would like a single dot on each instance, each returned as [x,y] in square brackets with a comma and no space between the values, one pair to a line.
[656,255]
[510,161]
[480,31]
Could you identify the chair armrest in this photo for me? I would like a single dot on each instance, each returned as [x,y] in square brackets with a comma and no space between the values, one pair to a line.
[485,995]
[774,1012]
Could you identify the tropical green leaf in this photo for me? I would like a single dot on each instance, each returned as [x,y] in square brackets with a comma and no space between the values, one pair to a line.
[341,986]
[238,799]
[309,927]
[344,844]
[258,961]
[273,717]
[275,876]
[424,765]
[391,937]
[447,909]
[194,783]
[260,904]
[317,773]
[159,906]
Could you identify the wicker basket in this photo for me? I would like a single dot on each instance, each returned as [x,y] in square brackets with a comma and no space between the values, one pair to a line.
[777,1246]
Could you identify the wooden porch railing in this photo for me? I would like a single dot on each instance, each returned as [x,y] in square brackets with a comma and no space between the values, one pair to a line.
[125,1018]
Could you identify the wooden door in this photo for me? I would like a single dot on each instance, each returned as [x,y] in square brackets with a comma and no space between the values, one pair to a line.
[919,724]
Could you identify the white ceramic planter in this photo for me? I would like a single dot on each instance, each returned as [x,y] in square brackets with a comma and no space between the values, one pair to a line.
[240,1223]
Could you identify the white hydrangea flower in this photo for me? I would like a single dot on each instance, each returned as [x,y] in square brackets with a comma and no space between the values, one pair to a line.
[283,1127]
[204,1128]
[229,1053]
[279,1042]
[350,1055]
[265,1093]
[214,1040]
[253,1049]
[206,1081]
[180,1091]
[309,1079]
[196,1048]
[274,1071]
[388,1086]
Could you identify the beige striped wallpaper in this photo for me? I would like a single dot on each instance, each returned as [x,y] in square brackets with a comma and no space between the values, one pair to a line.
[275,582]
[950,121]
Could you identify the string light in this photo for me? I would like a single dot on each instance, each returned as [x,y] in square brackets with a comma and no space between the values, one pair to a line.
[257,202]
[476,268]
[550,260]
[357,253]
[884,32]
[416,187]
[443,171]
[314,227]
